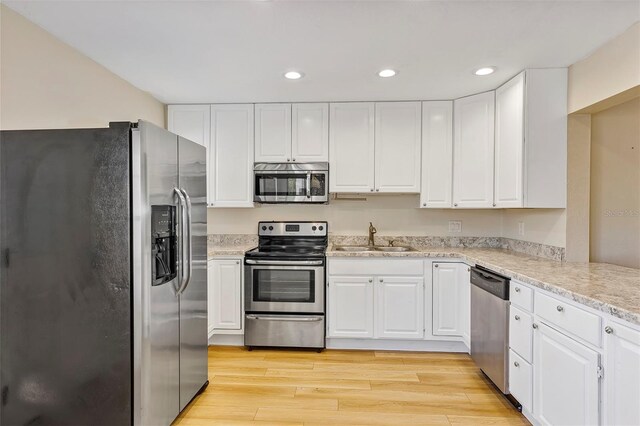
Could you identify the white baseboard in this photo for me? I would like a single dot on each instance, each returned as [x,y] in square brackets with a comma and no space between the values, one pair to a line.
[398,345]
[226,340]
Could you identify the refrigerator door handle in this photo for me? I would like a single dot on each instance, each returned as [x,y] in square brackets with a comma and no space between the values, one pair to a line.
[181,247]
[189,254]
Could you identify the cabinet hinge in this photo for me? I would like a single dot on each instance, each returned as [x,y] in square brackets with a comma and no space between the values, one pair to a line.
[600,372]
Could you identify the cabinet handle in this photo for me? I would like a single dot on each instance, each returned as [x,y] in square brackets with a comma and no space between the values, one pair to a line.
[288,159]
[468,269]
[455,204]
[608,330]
[534,325]
[371,190]
[381,280]
[424,204]
[516,364]
[517,317]
[370,280]
[293,159]
[435,266]
[377,189]
[517,289]
[237,262]
[559,308]
[494,204]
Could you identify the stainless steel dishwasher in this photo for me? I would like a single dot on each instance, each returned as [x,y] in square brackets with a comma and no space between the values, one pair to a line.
[490,325]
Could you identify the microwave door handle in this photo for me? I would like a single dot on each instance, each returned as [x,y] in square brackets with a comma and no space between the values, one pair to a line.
[308,184]
[181,249]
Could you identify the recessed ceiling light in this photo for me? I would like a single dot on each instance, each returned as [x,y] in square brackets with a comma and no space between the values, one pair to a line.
[485,71]
[387,73]
[293,75]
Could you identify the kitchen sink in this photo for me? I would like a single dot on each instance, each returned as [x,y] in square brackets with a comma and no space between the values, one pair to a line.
[392,249]
[353,248]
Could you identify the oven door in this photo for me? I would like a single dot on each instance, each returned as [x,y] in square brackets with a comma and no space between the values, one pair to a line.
[284,286]
[279,186]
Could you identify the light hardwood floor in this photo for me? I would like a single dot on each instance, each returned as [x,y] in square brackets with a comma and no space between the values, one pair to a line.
[337,387]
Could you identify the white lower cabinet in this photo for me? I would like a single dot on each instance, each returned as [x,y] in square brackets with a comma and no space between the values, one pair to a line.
[382,307]
[451,299]
[350,306]
[622,375]
[225,294]
[520,379]
[399,312]
[566,383]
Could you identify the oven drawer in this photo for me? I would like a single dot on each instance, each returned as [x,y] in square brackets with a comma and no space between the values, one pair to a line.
[303,331]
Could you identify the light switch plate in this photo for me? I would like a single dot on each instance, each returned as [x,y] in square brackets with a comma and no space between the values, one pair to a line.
[455,226]
[520,228]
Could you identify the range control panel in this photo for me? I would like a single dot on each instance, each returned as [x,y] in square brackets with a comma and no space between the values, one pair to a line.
[300,229]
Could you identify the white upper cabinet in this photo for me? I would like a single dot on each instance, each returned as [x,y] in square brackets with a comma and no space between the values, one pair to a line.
[351,147]
[437,154]
[310,132]
[473,151]
[509,143]
[622,373]
[531,140]
[273,133]
[190,121]
[231,156]
[397,146]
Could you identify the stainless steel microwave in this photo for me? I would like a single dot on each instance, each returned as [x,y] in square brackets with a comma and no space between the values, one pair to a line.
[291,183]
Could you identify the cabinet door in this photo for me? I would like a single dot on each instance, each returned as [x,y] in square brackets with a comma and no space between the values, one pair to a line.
[622,375]
[191,122]
[437,154]
[566,388]
[231,156]
[225,290]
[399,312]
[509,143]
[310,132]
[473,119]
[447,319]
[273,133]
[464,304]
[351,147]
[397,146]
[351,307]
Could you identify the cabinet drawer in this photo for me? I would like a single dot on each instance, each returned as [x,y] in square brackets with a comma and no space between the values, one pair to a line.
[580,323]
[521,333]
[521,296]
[520,380]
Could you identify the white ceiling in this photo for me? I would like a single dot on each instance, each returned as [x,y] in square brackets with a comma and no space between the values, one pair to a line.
[237,51]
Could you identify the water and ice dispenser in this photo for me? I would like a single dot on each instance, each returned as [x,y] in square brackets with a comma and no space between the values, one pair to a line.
[164,244]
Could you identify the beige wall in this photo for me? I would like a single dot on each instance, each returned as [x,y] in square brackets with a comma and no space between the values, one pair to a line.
[391,214]
[615,185]
[578,184]
[544,226]
[44,83]
[610,70]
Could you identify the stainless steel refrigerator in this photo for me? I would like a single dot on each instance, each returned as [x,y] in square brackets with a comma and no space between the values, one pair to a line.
[103,283]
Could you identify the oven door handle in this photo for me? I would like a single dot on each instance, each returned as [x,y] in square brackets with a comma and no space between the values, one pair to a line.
[284,318]
[308,184]
[284,262]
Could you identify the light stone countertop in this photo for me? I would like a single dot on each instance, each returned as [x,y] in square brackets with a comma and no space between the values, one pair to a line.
[612,289]
[221,250]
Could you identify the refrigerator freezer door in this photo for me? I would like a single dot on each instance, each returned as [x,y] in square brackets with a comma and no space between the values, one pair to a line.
[156,308]
[65,278]
[193,300]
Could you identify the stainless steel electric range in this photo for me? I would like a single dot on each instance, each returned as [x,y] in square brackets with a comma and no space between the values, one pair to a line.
[285,286]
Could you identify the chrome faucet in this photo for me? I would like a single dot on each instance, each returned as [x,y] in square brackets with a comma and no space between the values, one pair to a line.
[372,231]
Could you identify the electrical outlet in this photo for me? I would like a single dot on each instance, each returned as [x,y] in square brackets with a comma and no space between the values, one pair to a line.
[455,226]
[521,228]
